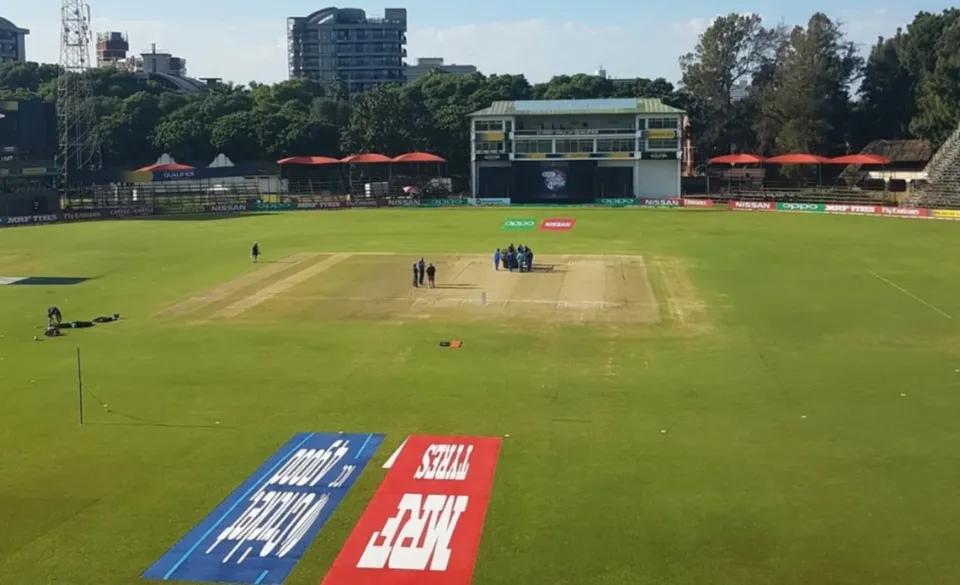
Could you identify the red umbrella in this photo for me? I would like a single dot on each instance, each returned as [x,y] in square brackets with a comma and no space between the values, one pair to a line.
[737,159]
[308,160]
[860,159]
[370,157]
[418,157]
[167,167]
[798,158]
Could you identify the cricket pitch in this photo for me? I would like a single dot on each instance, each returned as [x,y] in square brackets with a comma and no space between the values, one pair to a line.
[612,289]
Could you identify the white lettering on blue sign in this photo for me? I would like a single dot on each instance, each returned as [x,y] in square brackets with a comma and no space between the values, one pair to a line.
[278,517]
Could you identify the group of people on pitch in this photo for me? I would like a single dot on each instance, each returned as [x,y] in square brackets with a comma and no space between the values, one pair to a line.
[514,258]
[55,322]
[419,269]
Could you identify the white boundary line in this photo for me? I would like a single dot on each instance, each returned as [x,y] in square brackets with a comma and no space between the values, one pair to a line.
[908,293]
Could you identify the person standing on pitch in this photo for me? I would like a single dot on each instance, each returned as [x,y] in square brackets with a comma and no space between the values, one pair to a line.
[432,276]
[421,266]
[496,260]
[255,252]
[415,274]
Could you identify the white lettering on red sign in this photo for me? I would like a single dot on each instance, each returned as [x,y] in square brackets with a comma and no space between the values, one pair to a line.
[753,204]
[867,209]
[418,537]
[445,462]
[557,224]
[900,211]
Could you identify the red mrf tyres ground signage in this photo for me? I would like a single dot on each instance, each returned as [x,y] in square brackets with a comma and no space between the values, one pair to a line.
[423,525]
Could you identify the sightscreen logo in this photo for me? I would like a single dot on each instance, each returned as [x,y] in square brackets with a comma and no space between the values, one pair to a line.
[554,180]
[555,224]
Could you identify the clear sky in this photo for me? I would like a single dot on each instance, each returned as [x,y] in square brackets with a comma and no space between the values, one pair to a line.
[244,40]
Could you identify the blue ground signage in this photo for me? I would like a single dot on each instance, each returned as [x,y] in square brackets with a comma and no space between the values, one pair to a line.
[261,530]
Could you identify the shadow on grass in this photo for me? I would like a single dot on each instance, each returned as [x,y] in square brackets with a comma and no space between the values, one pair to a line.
[154,424]
[27,518]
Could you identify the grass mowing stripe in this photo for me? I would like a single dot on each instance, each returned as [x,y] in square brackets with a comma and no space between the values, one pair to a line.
[280,287]
[224,290]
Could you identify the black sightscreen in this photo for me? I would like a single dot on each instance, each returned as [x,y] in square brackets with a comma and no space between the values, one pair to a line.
[495,182]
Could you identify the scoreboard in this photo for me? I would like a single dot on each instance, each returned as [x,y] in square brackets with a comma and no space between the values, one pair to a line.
[28,130]
[8,130]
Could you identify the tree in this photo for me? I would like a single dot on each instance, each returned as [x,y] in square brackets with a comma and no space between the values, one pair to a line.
[735,47]
[799,98]
[806,106]
[887,93]
[938,97]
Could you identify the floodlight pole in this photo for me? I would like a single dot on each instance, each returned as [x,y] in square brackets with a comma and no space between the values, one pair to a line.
[80,386]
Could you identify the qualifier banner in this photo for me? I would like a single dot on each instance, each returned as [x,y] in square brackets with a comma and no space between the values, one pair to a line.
[423,525]
[261,530]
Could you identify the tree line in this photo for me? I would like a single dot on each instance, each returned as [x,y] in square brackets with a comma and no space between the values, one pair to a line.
[809,89]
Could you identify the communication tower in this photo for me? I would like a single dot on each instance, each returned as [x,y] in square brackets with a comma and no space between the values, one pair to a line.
[78,153]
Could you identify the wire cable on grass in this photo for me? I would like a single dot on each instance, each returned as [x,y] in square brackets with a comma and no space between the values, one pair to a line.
[141,421]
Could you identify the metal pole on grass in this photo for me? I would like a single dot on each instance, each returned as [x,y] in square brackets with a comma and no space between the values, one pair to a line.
[80,385]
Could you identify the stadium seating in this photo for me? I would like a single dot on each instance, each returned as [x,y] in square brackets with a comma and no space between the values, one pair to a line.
[943,177]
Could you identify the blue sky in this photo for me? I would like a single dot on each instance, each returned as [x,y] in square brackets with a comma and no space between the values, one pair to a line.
[244,40]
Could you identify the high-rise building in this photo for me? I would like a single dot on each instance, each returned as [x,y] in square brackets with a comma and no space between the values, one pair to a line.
[154,61]
[602,74]
[112,48]
[12,41]
[345,44]
[427,64]
[739,90]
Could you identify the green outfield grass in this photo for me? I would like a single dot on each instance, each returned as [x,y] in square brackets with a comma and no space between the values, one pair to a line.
[792,419]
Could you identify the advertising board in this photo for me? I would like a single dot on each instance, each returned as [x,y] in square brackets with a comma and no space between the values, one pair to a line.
[673,202]
[753,206]
[262,529]
[425,521]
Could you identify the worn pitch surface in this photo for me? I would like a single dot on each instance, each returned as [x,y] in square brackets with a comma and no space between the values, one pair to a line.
[564,289]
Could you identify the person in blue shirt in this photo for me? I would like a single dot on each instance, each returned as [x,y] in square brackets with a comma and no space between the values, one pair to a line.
[496,260]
